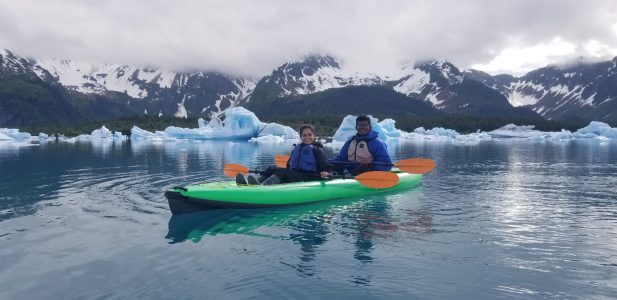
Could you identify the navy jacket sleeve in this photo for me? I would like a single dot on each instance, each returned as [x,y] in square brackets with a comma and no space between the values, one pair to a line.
[379,150]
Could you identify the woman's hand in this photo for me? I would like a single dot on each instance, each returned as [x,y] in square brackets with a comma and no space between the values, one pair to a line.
[324,174]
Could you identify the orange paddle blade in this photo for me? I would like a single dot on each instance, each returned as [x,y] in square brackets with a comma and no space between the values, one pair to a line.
[377,179]
[281,160]
[415,165]
[231,170]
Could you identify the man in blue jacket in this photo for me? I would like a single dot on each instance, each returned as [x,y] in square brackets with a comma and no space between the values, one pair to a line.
[365,151]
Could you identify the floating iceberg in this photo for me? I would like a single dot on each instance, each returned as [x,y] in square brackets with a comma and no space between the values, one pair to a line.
[140,134]
[514,131]
[271,139]
[239,124]
[4,137]
[274,129]
[347,128]
[597,129]
[15,134]
[98,134]
[387,130]
[242,124]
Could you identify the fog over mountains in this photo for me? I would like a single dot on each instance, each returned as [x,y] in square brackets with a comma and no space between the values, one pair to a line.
[63,91]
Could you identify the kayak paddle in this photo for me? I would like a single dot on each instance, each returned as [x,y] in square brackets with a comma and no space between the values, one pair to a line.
[377,179]
[231,170]
[410,165]
[373,179]
[281,161]
[414,165]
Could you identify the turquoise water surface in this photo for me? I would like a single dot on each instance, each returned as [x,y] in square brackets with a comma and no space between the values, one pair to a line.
[508,219]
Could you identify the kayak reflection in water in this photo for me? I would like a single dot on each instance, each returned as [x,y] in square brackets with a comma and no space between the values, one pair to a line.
[307,162]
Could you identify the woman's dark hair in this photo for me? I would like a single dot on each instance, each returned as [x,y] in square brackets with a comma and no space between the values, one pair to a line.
[363,118]
[305,126]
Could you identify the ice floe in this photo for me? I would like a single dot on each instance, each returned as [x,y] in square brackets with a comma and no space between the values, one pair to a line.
[239,124]
[514,131]
[242,125]
[387,130]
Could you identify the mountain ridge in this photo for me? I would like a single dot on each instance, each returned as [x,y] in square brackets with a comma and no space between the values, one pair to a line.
[100,91]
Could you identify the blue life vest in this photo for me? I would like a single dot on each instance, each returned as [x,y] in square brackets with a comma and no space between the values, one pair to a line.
[303,158]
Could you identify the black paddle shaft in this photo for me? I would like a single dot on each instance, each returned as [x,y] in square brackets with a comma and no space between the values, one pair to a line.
[359,163]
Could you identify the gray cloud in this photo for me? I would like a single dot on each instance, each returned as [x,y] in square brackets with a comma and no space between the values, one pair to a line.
[253,37]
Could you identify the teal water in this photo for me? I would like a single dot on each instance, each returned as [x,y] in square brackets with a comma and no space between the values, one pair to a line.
[506,219]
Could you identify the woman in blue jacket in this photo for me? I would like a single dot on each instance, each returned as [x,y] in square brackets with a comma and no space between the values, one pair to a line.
[307,162]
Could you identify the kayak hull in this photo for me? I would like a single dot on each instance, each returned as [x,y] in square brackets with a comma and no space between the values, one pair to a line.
[227,194]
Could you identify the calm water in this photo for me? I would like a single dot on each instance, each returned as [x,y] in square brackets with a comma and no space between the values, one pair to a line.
[496,220]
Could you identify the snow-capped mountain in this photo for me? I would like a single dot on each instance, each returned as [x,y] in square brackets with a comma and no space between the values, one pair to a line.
[429,81]
[313,74]
[444,86]
[11,65]
[72,91]
[578,91]
[144,90]
[150,83]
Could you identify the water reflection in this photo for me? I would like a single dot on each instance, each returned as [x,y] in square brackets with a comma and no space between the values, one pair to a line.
[364,222]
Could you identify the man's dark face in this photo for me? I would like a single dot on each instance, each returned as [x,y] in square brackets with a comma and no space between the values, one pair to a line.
[363,127]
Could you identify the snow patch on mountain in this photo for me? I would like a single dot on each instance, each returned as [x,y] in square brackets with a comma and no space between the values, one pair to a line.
[413,83]
[525,93]
[325,78]
[244,89]
[99,78]
[516,98]
[432,97]
[447,71]
[314,74]
[181,113]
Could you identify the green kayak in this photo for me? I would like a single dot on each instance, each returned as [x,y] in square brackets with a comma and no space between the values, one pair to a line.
[227,194]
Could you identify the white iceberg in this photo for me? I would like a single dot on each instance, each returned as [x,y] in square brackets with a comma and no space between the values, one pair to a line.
[278,130]
[515,131]
[437,132]
[347,129]
[239,124]
[98,134]
[597,129]
[387,130]
[15,134]
[270,139]
[141,134]
[388,125]
[4,137]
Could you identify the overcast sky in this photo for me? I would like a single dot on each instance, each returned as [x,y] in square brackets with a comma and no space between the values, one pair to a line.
[253,37]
